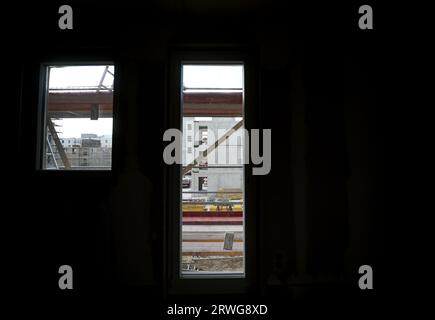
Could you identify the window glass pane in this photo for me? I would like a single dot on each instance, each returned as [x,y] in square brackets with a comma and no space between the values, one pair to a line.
[212,171]
[78,118]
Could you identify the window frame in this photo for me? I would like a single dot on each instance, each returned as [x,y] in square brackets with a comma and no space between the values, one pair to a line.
[211,275]
[41,125]
[176,282]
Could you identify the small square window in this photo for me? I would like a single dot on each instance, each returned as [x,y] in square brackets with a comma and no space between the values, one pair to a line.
[78,110]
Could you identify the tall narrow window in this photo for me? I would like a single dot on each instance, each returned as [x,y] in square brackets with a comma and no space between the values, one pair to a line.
[78,114]
[212,191]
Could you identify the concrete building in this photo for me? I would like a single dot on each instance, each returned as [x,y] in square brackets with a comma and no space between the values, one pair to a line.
[90,151]
[222,168]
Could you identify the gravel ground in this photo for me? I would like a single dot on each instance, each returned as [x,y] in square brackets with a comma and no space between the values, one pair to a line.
[218,264]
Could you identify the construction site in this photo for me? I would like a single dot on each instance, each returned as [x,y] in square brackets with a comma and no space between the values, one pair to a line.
[213,182]
[79,103]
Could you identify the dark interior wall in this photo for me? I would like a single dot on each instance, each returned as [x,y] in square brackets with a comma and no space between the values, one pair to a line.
[319,208]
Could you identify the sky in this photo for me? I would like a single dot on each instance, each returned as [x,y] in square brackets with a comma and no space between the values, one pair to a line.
[79,76]
[194,76]
[74,127]
[216,76]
